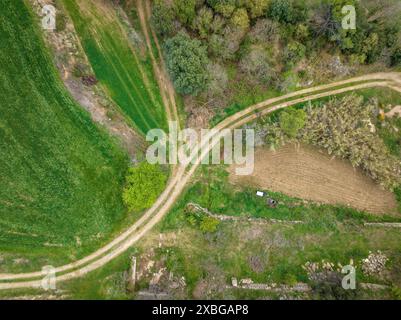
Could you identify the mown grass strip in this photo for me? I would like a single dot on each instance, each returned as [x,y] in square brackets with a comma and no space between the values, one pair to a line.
[116,64]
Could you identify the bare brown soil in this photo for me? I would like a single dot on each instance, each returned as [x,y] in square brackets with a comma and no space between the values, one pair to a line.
[396,111]
[180,178]
[309,173]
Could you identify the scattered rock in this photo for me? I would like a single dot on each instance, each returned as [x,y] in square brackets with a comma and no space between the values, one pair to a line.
[374,264]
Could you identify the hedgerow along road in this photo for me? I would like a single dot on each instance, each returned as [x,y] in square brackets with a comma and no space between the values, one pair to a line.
[184,173]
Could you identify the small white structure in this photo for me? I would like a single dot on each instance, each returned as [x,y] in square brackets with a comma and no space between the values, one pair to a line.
[260,193]
[234,282]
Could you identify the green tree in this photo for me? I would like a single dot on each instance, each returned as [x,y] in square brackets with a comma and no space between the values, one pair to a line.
[294,52]
[257,8]
[240,19]
[281,10]
[162,18]
[224,7]
[185,10]
[203,21]
[143,185]
[291,121]
[186,61]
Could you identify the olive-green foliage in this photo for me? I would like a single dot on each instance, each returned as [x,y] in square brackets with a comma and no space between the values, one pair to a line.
[397,192]
[362,43]
[226,45]
[291,121]
[223,7]
[143,185]
[208,224]
[205,223]
[396,57]
[61,22]
[186,60]
[162,18]
[203,21]
[331,288]
[257,8]
[281,10]
[294,52]
[185,10]
[343,127]
[240,19]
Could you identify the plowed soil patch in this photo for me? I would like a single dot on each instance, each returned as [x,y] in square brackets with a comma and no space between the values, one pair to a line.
[308,173]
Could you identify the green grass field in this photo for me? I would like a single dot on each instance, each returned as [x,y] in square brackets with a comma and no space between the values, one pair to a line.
[332,233]
[61,175]
[124,71]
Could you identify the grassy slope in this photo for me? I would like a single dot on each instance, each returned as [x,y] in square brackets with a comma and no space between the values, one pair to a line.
[331,233]
[61,176]
[118,67]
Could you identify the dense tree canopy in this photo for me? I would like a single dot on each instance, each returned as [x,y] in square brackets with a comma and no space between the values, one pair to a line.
[143,185]
[162,18]
[185,10]
[186,62]
[290,33]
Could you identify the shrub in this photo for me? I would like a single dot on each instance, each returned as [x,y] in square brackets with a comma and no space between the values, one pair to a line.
[396,57]
[208,224]
[186,61]
[218,79]
[294,52]
[217,24]
[225,46]
[343,128]
[144,183]
[80,70]
[256,66]
[61,22]
[89,80]
[288,82]
[264,31]
[291,121]
[205,223]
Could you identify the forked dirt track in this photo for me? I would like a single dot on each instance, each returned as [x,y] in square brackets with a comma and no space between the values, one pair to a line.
[183,173]
[166,88]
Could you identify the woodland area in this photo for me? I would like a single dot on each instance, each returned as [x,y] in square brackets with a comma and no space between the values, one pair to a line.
[219,51]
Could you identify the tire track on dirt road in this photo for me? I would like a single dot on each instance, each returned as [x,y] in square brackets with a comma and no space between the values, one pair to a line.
[177,184]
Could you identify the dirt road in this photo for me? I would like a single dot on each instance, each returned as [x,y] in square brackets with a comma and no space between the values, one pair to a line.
[184,173]
[181,175]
